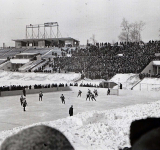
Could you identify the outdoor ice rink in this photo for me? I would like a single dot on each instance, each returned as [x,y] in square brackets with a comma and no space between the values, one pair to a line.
[51,108]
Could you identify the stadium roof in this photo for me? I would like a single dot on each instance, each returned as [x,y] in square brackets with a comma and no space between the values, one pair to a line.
[27,54]
[156,63]
[45,39]
[19,61]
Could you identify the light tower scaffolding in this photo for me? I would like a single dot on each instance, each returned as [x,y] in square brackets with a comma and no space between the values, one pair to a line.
[39,31]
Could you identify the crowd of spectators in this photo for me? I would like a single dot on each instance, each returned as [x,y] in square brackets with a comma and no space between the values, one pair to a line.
[13,88]
[107,60]
[40,86]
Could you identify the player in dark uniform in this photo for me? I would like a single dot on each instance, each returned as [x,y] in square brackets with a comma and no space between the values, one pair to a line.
[89,91]
[108,92]
[79,93]
[24,104]
[88,96]
[21,100]
[63,99]
[95,92]
[71,110]
[40,95]
[92,97]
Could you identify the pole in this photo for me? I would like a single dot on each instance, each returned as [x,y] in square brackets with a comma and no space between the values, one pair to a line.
[32,31]
[44,31]
[57,31]
[26,32]
[50,32]
[38,31]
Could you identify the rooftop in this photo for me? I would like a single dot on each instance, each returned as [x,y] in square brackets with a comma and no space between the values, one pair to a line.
[19,61]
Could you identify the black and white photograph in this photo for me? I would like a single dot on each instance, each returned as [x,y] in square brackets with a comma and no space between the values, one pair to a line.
[79,75]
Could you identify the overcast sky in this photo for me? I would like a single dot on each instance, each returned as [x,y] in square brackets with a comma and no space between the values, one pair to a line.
[79,19]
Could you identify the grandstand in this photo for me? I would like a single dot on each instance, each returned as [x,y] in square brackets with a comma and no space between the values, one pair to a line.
[99,61]
[42,40]
[3,52]
[96,62]
[41,51]
[55,51]
[104,62]
[30,65]
[2,61]
[10,53]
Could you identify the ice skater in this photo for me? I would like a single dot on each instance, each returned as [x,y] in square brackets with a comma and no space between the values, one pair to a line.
[40,95]
[21,99]
[24,104]
[88,96]
[95,92]
[79,93]
[63,99]
[89,91]
[92,97]
[108,92]
[71,110]
[24,91]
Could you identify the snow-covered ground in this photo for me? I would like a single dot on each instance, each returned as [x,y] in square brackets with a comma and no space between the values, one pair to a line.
[127,80]
[92,82]
[16,78]
[99,125]
[96,125]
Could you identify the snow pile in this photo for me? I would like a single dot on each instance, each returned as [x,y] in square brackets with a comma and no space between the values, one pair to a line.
[16,78]
[99,129]
[127,80]
[92,82]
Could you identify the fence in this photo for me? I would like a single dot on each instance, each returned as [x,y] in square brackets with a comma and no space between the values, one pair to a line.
[147,87]
[34,91]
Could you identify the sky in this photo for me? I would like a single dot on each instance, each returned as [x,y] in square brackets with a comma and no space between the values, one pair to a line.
[80,19]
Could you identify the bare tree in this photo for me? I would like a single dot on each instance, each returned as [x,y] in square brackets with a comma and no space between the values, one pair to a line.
[126,27]
[135,33]
[131,32]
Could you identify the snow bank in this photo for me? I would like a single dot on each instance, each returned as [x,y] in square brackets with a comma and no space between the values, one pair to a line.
[127,80]
[16,78]
[99,129]
[31,78]
[89,81]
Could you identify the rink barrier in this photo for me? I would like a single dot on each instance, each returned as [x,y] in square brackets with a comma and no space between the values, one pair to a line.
[34,91]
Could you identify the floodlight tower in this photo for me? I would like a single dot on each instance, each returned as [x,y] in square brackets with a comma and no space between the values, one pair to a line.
[33,35]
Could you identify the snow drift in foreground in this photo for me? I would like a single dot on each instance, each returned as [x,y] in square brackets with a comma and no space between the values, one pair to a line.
[99,129]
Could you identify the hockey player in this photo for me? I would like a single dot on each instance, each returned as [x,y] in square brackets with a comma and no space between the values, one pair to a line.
[21,100]
[71,110]
[79,93]
[95,92]
[24,104]
[88,96]
[92,97]
[63,99]
[89,91]
[108,92]
[40,95]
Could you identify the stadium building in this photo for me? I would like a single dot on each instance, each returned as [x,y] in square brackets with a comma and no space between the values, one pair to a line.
[46,42]
[45,35]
